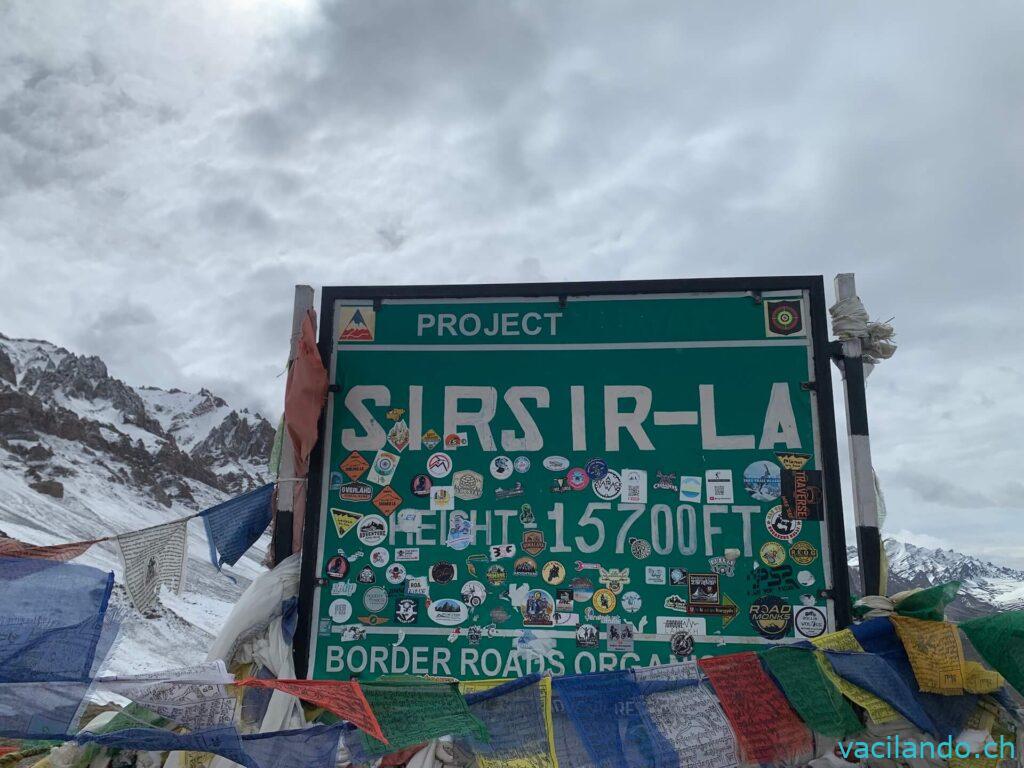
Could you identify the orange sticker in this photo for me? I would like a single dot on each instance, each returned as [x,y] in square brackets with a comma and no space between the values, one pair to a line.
[354,466]
[387,500]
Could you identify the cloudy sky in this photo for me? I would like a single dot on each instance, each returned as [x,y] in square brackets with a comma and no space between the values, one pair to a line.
[168,171]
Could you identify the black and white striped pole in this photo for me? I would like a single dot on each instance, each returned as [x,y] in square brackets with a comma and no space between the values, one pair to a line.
[865,500]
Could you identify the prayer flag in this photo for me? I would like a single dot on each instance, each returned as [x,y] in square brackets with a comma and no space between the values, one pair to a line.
[234,525]
[948,713]
[878,710]
[767,729]
[818,702]
[569,747]
[929,604]
[221,740]
[60,552]
[194,696]
[154,557]
[40,710]
[343,698]
[977,679]
[313,747]
[517,716]
[1000,641]
[872,673]
[612,721]
[935,652]
[411,712]
[52,620]
[702,738]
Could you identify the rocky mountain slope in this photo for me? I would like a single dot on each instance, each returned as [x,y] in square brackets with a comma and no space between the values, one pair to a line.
[986,587]
[84,455]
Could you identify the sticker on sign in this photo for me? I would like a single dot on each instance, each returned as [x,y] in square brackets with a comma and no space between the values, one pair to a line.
[666,625]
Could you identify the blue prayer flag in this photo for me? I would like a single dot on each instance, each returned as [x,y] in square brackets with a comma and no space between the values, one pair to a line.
[612,721]
[52,620]
[40,710]
[569,747]
[873,674]
[221,740]
[313,747]
[949,713]
[233,526]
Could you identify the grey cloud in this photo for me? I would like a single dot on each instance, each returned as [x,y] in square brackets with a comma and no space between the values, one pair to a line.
[961,492]
[235,213]
[202,162]
[130,340]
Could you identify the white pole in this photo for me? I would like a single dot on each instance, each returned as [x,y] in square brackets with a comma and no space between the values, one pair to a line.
[865,501]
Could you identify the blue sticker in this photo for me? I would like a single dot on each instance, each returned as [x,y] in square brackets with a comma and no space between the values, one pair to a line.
[596,468]
[763,481]
[460,531]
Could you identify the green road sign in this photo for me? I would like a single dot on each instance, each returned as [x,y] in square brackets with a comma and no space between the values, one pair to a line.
[572,478]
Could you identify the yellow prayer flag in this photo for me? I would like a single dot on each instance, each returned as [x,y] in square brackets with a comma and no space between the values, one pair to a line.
[935,653]
[981,719]
[977,679]
[475,686]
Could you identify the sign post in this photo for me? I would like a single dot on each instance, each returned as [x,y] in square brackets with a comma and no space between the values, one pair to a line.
[865,499]
[570,477]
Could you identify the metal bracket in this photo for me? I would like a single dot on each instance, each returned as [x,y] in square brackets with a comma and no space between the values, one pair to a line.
[320,581]
[562,301]
[826,594]
[809,386]
[756,296]
[334,388]
[378,302]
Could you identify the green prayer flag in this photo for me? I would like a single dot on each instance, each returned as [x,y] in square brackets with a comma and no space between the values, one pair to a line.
[929,604]
[276,448]
[412,712]
[1000,641]
[818,702]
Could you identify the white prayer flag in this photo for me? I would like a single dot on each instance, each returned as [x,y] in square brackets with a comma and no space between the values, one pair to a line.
[154,557]
[193,696]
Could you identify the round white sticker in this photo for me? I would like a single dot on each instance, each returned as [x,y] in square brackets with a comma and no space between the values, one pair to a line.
[631,602]
[439,464]
[379,557]
[810,622]
[372,530]
[609,486]
[375,599]
[341,611]
[395,573]
[501,467]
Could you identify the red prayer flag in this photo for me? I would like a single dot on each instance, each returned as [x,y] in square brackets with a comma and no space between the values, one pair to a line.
[767,729]
[304,395]
[60,552]
[343,698]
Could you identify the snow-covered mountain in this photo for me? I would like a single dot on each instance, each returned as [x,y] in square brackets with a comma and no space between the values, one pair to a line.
[84,455]
[986,587]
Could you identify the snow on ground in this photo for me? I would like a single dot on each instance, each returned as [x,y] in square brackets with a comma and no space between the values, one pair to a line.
[95,507]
